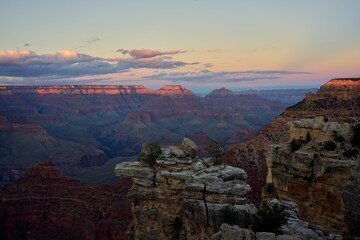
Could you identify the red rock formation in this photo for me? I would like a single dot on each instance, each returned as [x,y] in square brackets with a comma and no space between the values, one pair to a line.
[45,205]
[174,90]
[338,100]
[341,88]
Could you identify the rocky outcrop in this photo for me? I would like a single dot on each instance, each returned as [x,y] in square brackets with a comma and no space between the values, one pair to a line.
[313,169]
[343,107]
[184,197]
[174,90]
[293,228]
[44,204]
[340,88]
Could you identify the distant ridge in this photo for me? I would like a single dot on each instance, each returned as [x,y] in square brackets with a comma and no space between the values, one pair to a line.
[289,96]
[94,89]
[221,92]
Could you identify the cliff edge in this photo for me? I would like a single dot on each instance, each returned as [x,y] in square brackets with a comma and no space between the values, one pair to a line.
[182,196]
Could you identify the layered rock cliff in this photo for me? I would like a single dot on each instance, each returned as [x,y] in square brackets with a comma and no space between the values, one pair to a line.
[314,168]
[44,204]
[251,155]
[180,197]
[341,88]
[317,179]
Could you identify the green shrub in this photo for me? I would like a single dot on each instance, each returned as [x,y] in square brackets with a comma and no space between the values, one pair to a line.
[350,153]
[216,150]
[330,145]
[150,153]
[229,215]
[355,139]
[269,219]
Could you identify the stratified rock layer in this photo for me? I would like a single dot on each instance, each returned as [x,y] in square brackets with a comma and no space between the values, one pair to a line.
[314,175]
[44,204]
[337,101]
[184,197]
[317,179]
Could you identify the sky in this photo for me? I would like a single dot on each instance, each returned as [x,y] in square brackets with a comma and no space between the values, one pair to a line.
[201,44]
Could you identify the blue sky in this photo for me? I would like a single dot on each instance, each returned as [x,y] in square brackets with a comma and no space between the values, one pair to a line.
[199,44]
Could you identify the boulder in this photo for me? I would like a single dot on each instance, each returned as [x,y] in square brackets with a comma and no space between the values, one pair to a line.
[177,152]
[228,232]
[231,173]
[265,236]
[189,147]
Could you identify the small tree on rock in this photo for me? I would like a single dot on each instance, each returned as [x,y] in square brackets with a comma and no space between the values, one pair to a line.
[216,150]
[150,153]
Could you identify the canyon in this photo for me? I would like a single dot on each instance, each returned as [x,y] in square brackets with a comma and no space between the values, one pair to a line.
[307,157]
[86,129]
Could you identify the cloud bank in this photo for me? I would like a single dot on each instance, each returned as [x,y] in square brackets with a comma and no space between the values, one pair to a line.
[67,66]
[67,63]
[222,76]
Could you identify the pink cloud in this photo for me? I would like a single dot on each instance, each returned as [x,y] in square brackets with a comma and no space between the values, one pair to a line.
[10,57]
[68,63]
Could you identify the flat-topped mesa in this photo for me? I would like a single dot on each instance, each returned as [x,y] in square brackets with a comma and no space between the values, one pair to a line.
[94,89]
[77,89]
[341,88]
[174,90]
[183,196]
[344,81]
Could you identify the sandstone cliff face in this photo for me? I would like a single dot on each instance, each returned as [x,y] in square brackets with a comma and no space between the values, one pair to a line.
[341,88]
[184,198]
[315,174]
[45,205]
[174,90]
[343,107]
